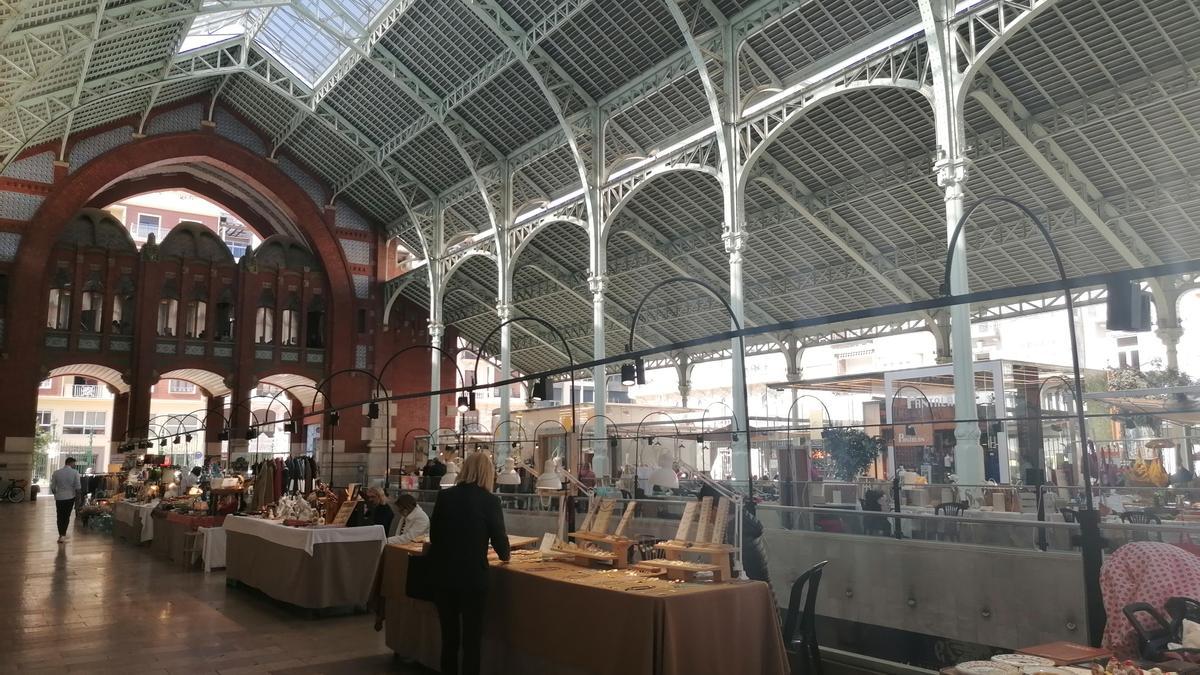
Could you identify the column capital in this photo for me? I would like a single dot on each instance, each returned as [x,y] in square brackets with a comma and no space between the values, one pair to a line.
[504,311]
[1170,335]
[598,283]
[735,240]
[951,171]
[436,330]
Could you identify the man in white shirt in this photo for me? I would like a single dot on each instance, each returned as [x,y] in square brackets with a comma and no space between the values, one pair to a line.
[64,485]
[411,522]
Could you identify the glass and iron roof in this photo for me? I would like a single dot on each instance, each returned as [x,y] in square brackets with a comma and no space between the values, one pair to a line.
[1089,113]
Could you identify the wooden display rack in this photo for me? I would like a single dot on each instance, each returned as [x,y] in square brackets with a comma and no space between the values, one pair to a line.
[717,556]
[594,530]
[706,540]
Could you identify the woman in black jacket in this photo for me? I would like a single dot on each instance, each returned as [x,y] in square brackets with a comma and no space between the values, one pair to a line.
[465,519]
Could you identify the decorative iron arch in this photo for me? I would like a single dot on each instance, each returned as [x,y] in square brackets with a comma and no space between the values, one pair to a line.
[770,126]
[626,190]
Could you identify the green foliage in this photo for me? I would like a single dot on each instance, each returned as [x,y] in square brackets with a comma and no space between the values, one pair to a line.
[851,452]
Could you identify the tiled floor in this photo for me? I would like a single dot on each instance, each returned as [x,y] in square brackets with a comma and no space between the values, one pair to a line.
[93,605]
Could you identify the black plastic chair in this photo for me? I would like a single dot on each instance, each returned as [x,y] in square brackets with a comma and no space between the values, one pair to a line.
[1142,518]
[800,623]
[950,509]
[1151,640]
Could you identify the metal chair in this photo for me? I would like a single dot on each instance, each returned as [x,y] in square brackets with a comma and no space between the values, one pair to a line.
[800,625]
[1152,640]
[1142,518]
[950,509]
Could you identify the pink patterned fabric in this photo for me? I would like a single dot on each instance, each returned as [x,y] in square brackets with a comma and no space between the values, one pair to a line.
[1143,571]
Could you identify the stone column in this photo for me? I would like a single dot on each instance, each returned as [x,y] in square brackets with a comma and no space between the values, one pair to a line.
[214,424]
[1170,337]
[683,374]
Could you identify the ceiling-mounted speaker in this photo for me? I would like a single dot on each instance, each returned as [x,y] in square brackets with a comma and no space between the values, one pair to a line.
[1128,307]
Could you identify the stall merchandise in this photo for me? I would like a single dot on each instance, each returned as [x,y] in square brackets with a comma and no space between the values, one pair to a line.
[311,567]
[653,626]
[267,483]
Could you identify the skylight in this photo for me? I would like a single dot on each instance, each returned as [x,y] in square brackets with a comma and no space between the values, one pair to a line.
[307,36]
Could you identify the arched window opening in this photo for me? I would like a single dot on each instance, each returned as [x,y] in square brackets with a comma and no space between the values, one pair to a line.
[121,315]
[291,327]
[168,314]
[197,319]
[225,316]
[315,324]
[264,325]
[58,315]
[91,309]
[290,318]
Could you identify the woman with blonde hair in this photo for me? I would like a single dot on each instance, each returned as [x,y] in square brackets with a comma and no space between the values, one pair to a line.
[373,511]
[465,519]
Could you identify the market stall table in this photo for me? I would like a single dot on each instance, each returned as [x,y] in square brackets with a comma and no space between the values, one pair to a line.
[634,626]
[132,521]
[171,531]
[212,548]
[310,567]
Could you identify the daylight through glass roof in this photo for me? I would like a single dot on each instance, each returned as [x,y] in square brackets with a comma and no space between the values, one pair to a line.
[308,36]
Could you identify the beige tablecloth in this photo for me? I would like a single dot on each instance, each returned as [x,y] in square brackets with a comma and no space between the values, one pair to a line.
[304,538]
[132,522]
[558,618]
[212,547]
[337,574]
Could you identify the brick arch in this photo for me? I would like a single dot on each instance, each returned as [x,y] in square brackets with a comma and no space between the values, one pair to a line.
[131,187]
[106,171]
[77,190]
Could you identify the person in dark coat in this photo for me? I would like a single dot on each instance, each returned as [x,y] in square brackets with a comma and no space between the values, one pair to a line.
[466,518]
[754,551]
[373,510]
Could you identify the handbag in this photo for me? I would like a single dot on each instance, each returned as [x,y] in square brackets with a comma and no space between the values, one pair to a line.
[419,583]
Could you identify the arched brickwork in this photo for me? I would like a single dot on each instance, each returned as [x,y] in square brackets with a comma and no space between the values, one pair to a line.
[103,177]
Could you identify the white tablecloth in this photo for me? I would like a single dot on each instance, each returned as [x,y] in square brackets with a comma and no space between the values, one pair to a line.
[212,547]
[303,538]
[126,512]
[1051,517]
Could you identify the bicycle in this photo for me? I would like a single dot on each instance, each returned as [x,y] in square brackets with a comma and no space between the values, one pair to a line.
[15,492]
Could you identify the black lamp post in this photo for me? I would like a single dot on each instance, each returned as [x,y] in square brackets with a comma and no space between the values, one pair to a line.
[372,413]
[540,389]
[465,401]
[616,431]
[635,371]
[637,445]
[1088,518]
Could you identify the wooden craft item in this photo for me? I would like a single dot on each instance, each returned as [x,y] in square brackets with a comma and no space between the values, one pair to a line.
[722,520]
[625,518]
[685,523]
[593,504]
[603,515]
[548,541]
[344,511]
[562,519]
[702,528]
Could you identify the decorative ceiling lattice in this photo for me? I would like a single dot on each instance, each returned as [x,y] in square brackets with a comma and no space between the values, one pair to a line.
[1090,114]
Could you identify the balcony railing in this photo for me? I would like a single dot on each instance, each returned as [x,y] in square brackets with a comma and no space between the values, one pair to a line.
[86,391]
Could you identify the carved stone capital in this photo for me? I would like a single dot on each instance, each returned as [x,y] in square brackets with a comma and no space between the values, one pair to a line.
[951,172]
[504,311]
[735,241]
[436,331]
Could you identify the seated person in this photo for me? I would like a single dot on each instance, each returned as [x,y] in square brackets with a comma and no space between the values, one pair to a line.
[374,510]
[411,522]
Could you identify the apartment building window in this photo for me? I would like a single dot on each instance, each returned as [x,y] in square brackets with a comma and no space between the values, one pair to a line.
[148,224]
[46,385]
[1127,353]
[44,420]
[83,422]
[181,387]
